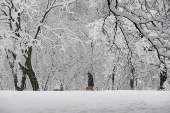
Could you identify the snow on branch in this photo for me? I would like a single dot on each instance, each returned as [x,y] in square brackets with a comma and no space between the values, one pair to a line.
[143,24]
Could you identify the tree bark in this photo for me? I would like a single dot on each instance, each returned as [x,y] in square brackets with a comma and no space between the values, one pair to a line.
[133,77]
[113,78]
[163,71]
[30,72]
[11,64]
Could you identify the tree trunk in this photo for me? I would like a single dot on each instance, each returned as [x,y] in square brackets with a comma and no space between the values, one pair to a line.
[11,64]
[30,72]
[163,72]
[113,78]
[45,89]
[133,77]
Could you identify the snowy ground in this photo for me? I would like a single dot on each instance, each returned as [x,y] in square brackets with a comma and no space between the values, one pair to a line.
[85,102]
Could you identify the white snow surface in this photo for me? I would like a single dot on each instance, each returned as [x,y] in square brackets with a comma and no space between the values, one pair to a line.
[118,101]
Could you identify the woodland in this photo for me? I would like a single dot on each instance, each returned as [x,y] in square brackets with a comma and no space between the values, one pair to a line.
[53,44]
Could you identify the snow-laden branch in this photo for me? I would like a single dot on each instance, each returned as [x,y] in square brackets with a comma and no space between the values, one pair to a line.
[138,24]
[146,20]
[49,8]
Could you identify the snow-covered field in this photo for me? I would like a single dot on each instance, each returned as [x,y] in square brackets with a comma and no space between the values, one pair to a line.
[85,102]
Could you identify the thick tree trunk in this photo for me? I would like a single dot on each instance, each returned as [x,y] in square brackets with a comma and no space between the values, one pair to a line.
[132,84]
[163,72]
[30,72]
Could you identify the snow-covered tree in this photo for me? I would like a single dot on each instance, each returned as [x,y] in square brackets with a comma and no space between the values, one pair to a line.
[46,44]
[23,26]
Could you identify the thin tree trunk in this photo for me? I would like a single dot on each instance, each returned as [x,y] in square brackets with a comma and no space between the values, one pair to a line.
[11,64]
[113,76]
[133,77]
[45,89]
